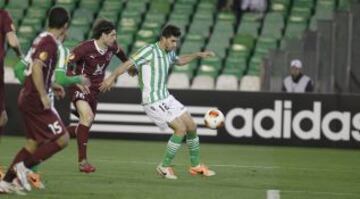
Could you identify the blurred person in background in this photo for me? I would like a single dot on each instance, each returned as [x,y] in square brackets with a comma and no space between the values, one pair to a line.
[297,82]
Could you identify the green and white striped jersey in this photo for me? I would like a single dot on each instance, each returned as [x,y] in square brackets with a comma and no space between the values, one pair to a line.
[63,54]
[153,65]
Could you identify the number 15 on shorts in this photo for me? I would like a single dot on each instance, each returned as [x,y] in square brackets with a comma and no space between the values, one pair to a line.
[55,127]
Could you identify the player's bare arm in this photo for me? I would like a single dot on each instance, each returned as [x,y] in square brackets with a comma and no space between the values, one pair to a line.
[108,82]
[37,77]
[14,42]
[185,59]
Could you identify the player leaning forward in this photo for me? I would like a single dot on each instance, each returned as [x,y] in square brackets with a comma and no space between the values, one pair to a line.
[45,132]
[153,62]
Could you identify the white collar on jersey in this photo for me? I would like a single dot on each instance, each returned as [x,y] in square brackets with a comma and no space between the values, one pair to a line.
[101,51]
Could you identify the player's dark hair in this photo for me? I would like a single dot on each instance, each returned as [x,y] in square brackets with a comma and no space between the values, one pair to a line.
[102,26]
[58,17]
[170,30]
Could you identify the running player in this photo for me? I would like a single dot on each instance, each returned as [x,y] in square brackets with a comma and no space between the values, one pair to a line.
[91,59]
[153,62]
[45,131]
[21,69]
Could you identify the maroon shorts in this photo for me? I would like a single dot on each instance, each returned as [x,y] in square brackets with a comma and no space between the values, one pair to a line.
[76,94]
[43,126]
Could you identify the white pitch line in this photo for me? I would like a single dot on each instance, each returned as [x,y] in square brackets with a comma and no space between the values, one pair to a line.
[272,194]
[225,165]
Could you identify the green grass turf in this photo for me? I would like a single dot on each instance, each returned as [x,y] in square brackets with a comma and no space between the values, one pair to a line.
[126,169]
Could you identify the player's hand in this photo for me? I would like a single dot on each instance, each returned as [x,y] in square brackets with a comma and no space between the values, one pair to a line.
[45,100]
[132,71]
[206,54]
[84,89]
[85,81]
[106,85]
[59,91]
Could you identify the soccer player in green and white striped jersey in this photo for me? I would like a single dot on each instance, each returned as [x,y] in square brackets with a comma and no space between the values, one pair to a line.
[152,63]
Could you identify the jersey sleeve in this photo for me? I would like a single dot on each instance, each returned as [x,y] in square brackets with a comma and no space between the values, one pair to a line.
[8,23]
[119,52]
[142,56]
[75,55]
[43,51]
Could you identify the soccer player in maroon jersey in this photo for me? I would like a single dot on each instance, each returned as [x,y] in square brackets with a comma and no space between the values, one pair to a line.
[7,32]
[45,131]
[91,59]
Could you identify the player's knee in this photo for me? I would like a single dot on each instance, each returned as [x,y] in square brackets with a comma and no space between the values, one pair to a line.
[63,140]
[191,126]
[180,130]
[87,118]
[31,145]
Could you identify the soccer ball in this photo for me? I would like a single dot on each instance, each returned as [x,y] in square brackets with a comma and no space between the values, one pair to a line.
[214,118]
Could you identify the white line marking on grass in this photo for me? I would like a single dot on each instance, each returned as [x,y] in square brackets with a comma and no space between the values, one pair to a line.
[272,194]
[228,165]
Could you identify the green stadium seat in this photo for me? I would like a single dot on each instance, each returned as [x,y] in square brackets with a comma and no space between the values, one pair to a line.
[281,6]
[136,6]
[147,36]
[264,44]
[303,3]
[238,72]
[77,33]
[295,30]
[191,46]
[83,13]
[244,42]
[27,31]
[108,15]
[36,12]
[68,7]
[183,9]
[344,5]
[23,4]
[34,22]
[25,44]
[155,17]
[69,43]
[251,28]
[160,7]
[44,4]
[188,69]
[92,5]
[112,5]
[252,17]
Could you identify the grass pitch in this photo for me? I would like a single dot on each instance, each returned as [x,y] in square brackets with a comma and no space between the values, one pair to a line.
[126,169]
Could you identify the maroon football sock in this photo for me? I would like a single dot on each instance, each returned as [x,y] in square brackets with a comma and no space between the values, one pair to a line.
[72,131]
[82,139]
[20,156]
[44,152]
[1,130]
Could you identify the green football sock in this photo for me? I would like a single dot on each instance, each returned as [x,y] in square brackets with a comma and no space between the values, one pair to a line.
[35,168]
[192,140]
[173,145]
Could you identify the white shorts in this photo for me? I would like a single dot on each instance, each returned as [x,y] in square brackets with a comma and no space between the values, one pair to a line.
[164,111]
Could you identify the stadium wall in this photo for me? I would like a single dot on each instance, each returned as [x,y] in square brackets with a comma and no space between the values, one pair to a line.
[318,120]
